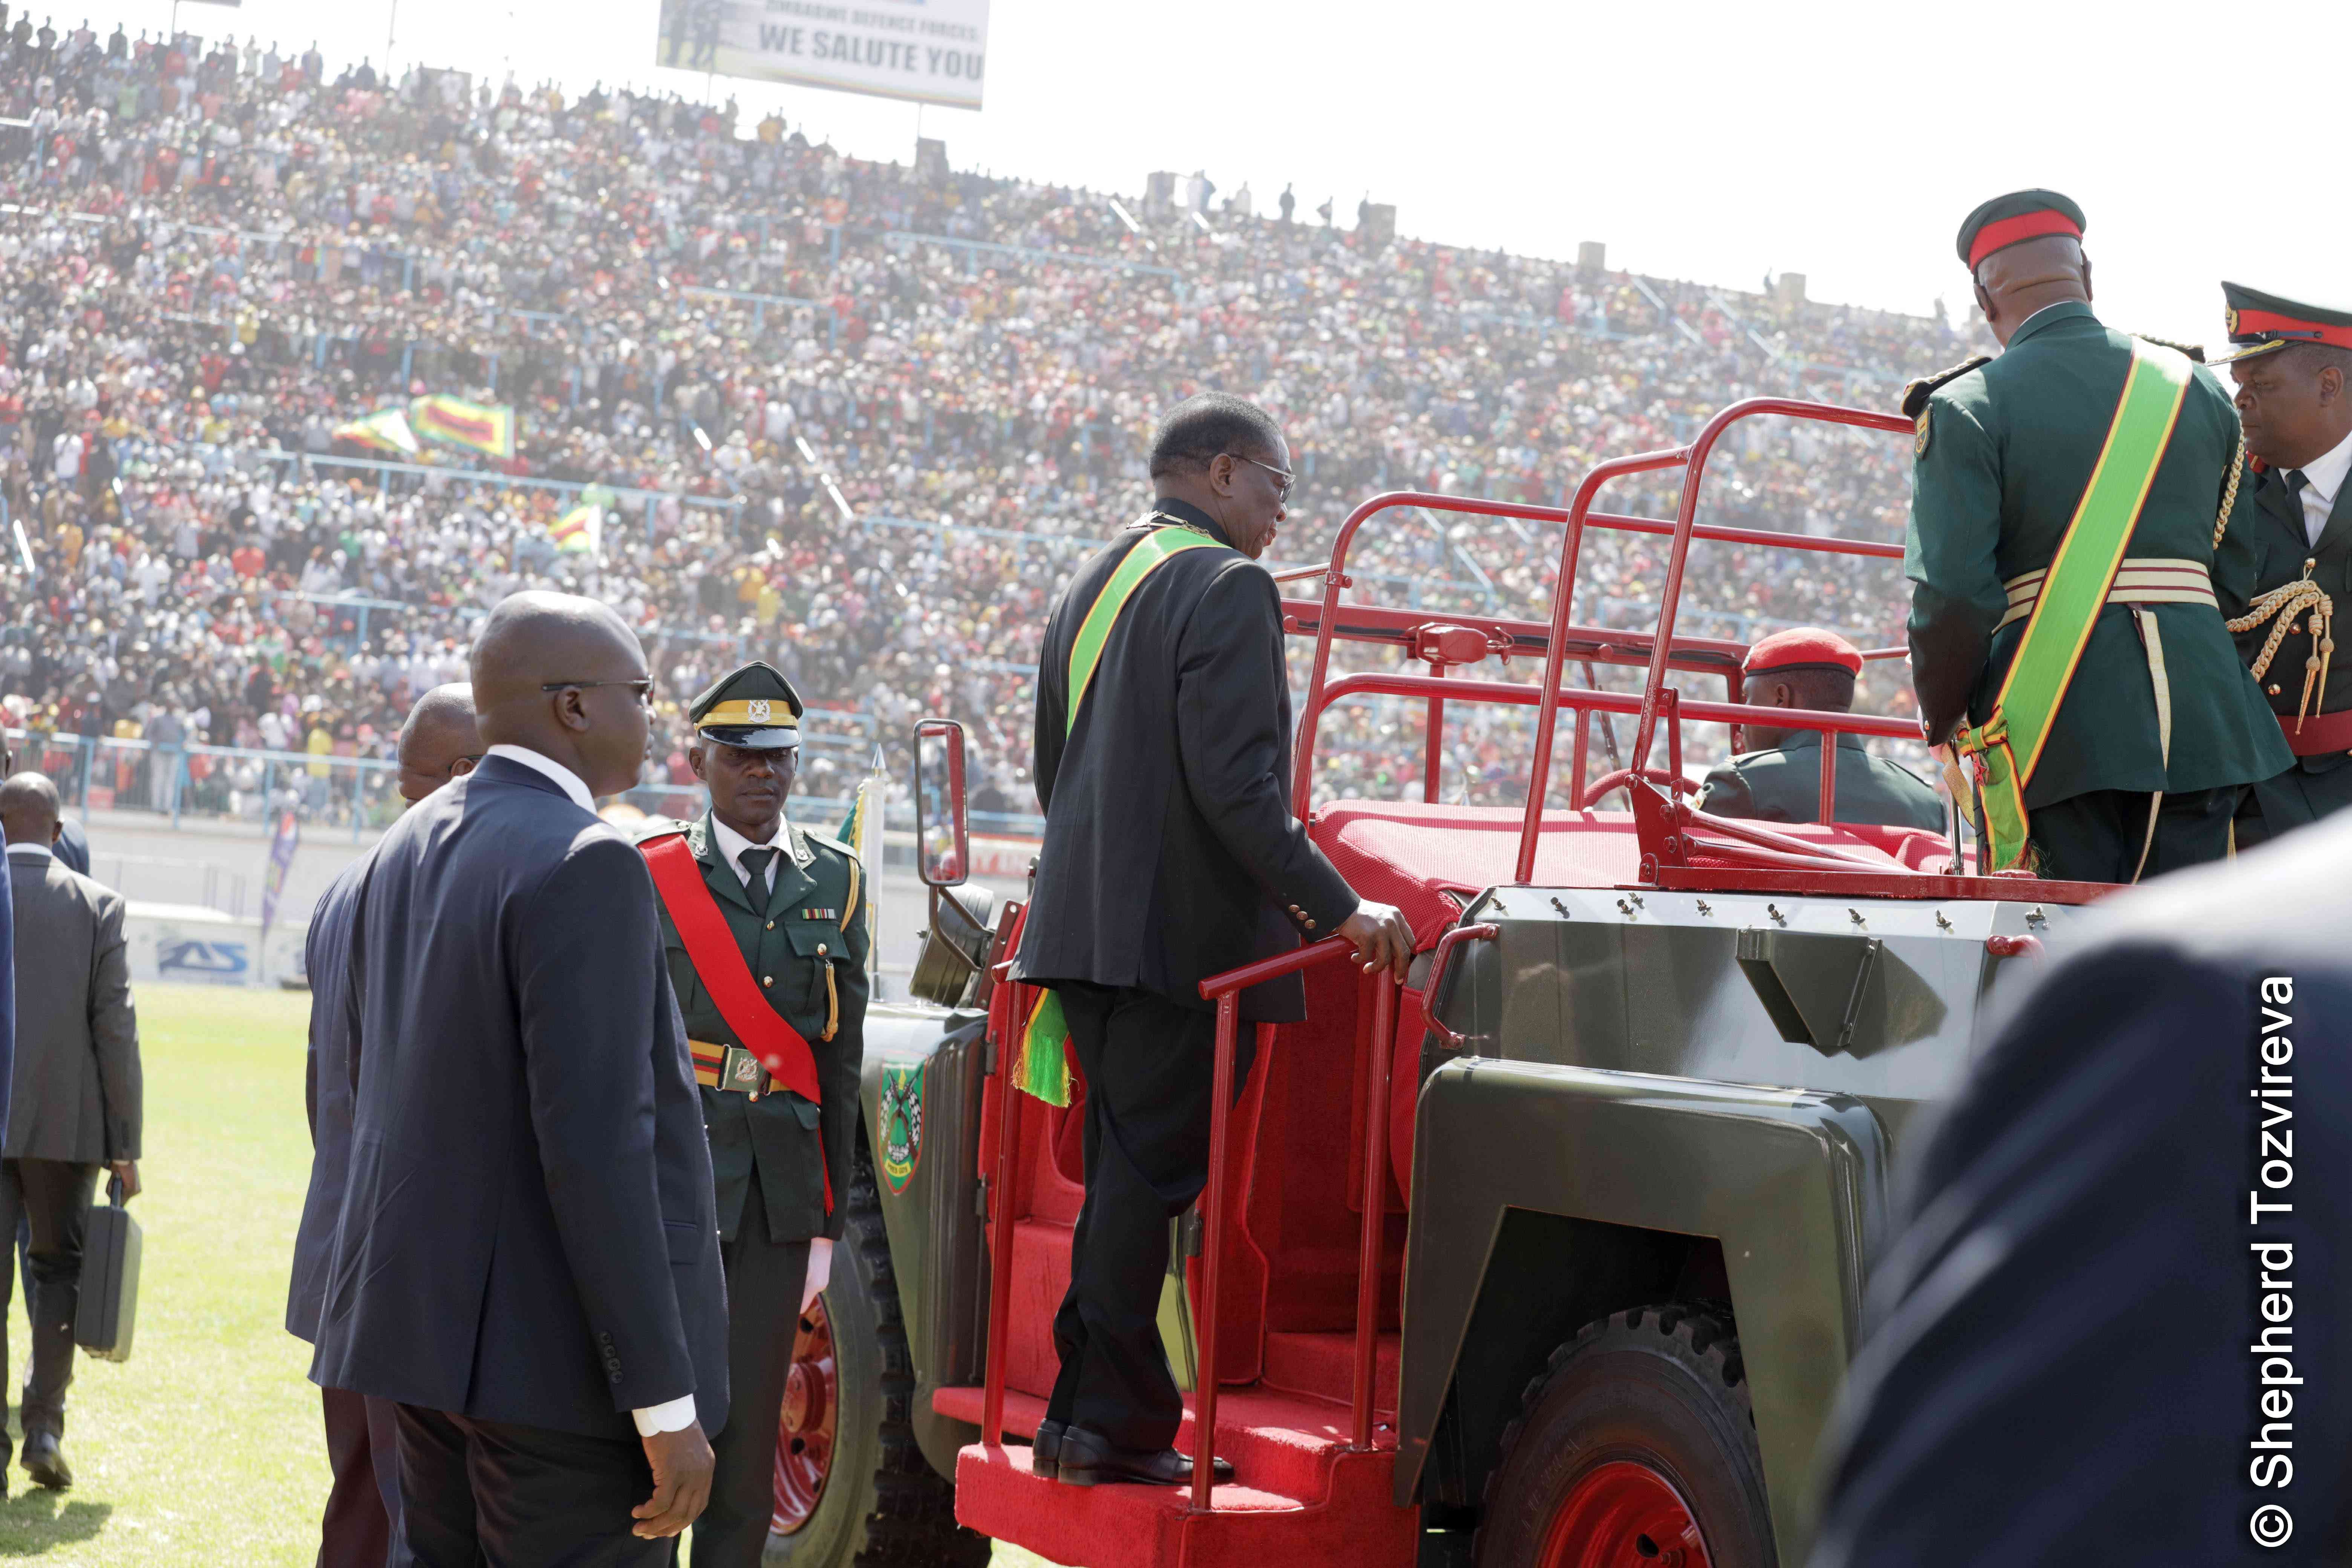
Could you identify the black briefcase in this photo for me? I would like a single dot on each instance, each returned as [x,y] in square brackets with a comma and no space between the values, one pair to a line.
[109,1278]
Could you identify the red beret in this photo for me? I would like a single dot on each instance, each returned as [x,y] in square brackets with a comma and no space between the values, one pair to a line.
[1803,648]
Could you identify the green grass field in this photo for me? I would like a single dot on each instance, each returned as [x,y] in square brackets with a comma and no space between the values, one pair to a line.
[203,1449]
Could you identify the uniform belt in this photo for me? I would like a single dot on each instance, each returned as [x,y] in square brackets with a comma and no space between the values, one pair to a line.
[731,1070]
[2319,734]
[2143,580]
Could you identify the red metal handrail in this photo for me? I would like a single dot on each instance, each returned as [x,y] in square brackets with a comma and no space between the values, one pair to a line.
[999,1216]
[1225,991]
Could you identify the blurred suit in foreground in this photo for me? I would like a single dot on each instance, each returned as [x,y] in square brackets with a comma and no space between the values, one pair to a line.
[2089,1343]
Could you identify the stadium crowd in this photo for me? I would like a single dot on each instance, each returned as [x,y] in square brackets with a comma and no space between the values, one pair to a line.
[856,417]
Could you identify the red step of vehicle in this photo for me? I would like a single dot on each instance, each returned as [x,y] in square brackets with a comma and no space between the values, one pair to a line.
[1297,1490]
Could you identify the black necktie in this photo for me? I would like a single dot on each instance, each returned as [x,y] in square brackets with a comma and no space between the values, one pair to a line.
[755,875]
[2296,480]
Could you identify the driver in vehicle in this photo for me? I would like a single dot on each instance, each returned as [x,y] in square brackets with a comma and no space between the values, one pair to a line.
[764,923]
[1779,779]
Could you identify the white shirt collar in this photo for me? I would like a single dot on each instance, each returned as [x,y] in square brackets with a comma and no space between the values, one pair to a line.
[571,782]
[733,844]
[2327,473]
[28,850]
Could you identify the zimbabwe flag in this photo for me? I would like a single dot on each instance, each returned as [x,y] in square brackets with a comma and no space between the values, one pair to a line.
[485,428]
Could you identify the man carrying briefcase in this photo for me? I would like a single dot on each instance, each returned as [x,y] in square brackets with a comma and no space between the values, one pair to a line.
[74,1100]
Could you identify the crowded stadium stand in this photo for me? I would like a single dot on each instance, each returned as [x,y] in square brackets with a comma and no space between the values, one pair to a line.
[824,410]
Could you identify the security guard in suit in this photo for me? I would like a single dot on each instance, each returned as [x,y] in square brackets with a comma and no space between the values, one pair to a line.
[2286,559]
[2064,630]
[761,913]
[1780,779]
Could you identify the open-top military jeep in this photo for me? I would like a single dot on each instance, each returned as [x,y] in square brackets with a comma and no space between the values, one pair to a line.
[1553,1256]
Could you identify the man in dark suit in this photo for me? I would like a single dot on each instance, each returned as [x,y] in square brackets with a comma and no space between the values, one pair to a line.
[74,1102]
[361,1525]
[2110,1328]
[1780,779]
[787,906]
[2287,556]
[2115,731]
[527,1261]
[1163,761]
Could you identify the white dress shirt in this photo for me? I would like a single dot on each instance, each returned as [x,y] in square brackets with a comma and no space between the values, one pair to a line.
[733,844]
[29,850]
[2324,480]
[675,1415]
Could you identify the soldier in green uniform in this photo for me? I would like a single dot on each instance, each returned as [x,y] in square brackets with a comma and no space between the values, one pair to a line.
[2064,632]
[2287,556]
[1780,779]
[765,928]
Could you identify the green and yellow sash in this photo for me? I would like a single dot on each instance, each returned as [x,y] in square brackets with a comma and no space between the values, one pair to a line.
[1044,1069]
[2006,746]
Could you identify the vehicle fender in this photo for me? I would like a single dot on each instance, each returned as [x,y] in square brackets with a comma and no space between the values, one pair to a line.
[1545,1196]
[934,1057]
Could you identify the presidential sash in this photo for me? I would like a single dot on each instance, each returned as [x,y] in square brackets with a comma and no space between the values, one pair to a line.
[718,961]
[2007,747]
[1044,1069]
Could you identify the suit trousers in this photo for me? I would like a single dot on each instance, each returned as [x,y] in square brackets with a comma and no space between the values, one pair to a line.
[493,1494]
[764,1299]
[53,1197]
[1149,1066]
[361,1526]
[2097,836]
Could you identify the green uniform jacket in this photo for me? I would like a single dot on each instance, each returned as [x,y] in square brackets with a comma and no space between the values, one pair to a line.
[2004,454]
[1784,784]
[2264,549]
[808,928]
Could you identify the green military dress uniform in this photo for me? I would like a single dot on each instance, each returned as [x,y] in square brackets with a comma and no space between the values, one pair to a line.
[773,1153]
[1783,784]
[2004,452]
[2266,549]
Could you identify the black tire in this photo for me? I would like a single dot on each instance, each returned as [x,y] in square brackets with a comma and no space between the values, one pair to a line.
[883,1506]
[1662,1387]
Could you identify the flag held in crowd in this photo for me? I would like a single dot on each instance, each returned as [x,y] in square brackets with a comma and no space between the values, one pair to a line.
[386,430]
[580,531]
[485,428]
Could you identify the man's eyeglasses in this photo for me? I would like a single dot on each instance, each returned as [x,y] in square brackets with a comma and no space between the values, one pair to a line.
[1283,478]
[644,688]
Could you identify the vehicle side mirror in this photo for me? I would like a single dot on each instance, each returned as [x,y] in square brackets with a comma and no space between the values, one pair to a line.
[942,840]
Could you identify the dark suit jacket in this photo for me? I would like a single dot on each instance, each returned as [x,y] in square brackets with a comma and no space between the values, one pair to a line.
[527,1233]
[72,846]
[1171,853]
[326,1093]
[76,1077]
[2059,1368]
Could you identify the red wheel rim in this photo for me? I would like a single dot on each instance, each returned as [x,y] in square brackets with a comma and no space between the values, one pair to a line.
[1624,1515]
[805,1432]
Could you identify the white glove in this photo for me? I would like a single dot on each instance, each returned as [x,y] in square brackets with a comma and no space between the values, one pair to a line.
[820,1271]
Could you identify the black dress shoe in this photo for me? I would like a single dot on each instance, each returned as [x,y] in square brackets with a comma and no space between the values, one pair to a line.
[1088,1459]
[46,1462]
[1046,1453]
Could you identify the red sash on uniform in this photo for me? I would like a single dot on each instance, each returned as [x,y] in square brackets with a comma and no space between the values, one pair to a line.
[718,961]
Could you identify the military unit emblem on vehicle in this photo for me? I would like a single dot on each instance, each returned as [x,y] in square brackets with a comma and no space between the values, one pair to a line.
[899,1125]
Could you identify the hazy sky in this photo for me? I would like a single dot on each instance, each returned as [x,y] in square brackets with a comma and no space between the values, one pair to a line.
[1702,141]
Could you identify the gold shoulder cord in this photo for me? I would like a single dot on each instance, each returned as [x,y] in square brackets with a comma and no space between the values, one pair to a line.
[2286,603]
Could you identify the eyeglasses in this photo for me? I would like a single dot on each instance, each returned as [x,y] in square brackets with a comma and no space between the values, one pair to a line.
[644,688]
[1283,478]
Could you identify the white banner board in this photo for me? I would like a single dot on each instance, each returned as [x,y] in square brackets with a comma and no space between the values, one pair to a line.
[924,51]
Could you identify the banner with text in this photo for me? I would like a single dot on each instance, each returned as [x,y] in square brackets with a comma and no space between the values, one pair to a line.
[925,52]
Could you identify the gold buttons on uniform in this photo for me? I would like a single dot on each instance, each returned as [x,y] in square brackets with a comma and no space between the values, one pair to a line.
[771,925]
[820,950]
[767,980]
[2272,688]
